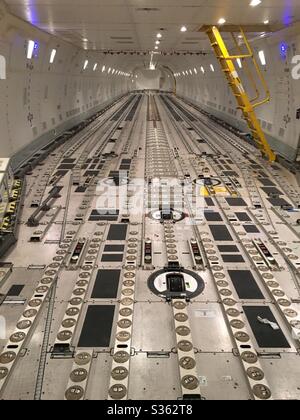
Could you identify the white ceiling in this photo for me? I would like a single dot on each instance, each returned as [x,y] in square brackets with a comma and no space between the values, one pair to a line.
[124,25]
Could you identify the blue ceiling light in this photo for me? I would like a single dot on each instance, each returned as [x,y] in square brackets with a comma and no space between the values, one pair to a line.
[283,49]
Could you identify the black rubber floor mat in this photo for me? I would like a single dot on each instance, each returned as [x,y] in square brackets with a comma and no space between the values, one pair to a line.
[220,233]
[251,229]
[112,258]
[212,217]
[96,330]
[106,284]
[243,217]
[15,290]
[228,248]
[233,258]
[117,233]
[245,284]
[264,334]
[236,202]
[114,248]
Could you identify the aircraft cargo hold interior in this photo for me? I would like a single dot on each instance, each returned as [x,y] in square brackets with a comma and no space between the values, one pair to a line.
[149,200]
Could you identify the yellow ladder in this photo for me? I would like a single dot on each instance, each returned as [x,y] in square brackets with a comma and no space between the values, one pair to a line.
[246,105]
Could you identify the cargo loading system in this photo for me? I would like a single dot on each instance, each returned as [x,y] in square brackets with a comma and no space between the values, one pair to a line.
[157,257]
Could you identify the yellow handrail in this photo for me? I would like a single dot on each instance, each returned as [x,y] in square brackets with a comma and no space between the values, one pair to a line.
[248,71]
[262,79]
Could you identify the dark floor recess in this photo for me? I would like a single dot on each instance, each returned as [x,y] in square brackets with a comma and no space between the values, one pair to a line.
[264,334]
[117,233]
[15,290]
[114,248]
[272,190]
[66,167]
[278,202]
[228,248]
[251,229]
[212,217]
[243,217]
[231,173]
[245,284]
[80,190]
[68,161]
[209,201]
[266,182]
[112,258]
[106,284]
[96,330]
[220,233]
[236,202]
[233,258]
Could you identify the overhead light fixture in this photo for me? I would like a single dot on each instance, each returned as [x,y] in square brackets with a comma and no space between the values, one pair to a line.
[239,62]
[202,69]
[157,42]
[195,71]
[254,3]
[266,22]
[262,57]
[85,40]
[221,21]
[156,47]
[103,69]
[159,35]
[183,29]
[95,67]
[109,70]
[212,68]
[52,56]
[86,63]
[30,49]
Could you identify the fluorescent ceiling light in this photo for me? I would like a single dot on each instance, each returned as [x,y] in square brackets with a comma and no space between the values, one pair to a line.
[266,22]
[95,67]
[52,56]
[195,70]
[222,21]
[103,69]
[159,35]
[86,63]
[262,57]
[30,49]
[202,69]
[239,62]
[254,3]
[212,67]
[183,29]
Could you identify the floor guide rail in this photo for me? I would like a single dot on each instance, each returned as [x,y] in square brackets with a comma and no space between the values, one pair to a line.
[163,263]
